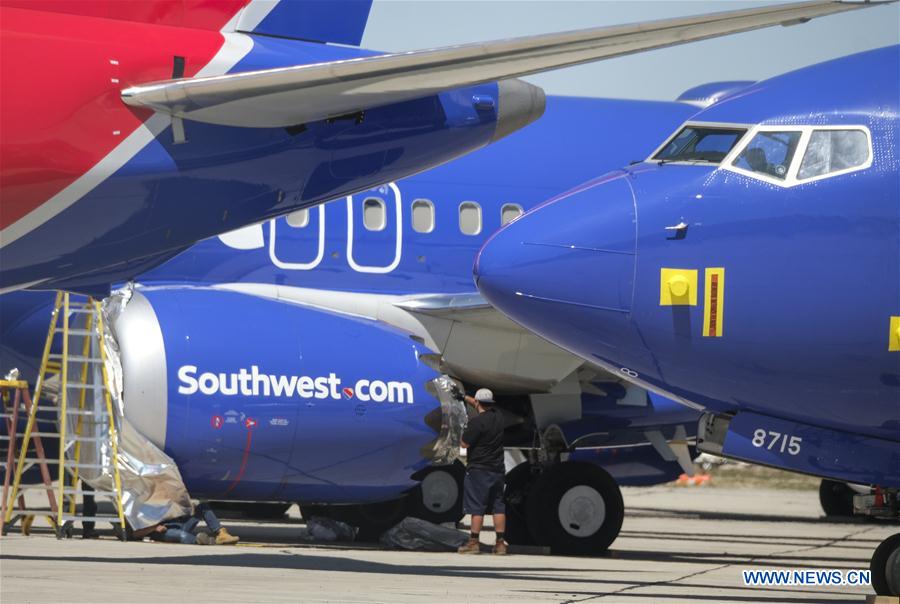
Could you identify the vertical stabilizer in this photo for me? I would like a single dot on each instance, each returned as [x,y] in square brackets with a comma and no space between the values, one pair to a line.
[335,21]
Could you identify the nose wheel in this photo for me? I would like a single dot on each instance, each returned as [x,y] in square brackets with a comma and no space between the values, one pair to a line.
[885,567]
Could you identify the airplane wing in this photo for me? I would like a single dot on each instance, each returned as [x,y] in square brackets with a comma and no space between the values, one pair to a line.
[303,93]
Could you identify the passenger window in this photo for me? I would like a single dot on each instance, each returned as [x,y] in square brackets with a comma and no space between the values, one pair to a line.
[298,219]
[832,151]
[470,218]
[509,212]
[769,153]
[374,214]
[422,216]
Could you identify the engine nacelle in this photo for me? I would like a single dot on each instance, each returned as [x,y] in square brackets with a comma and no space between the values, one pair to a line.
[262,400]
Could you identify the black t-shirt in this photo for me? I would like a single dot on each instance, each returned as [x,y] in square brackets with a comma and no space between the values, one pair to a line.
[484,435]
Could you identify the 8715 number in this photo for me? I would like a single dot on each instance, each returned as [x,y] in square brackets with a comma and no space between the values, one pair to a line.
[776,441]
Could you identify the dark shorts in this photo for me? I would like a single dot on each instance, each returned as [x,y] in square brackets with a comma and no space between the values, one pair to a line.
[483,492]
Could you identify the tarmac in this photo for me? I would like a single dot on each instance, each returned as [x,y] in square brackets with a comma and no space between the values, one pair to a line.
[678,544]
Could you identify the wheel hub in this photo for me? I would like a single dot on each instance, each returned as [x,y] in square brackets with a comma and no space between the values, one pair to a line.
[582,511]
[439,491]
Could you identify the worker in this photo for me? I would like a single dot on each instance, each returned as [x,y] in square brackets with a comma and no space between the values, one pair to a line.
[183,529]
[483,485]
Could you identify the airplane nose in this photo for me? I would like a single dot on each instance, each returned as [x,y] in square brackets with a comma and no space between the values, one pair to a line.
[520,104]
[573,255]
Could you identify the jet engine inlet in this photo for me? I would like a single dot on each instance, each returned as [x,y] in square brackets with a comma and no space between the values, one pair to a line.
[520,104]
[445,448]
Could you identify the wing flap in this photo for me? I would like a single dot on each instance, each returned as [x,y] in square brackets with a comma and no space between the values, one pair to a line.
[304,93]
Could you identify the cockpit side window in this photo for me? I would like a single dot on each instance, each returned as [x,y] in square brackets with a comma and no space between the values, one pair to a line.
[788,156]
[706,144]
[834,151]
[769,153]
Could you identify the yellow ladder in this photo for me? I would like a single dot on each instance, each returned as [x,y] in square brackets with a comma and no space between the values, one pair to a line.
[76,325]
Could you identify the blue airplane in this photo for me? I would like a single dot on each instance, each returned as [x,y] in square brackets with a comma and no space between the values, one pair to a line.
[296,361]
[169,122]
[749,267]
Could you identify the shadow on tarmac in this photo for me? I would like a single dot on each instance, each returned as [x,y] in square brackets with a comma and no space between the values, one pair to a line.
[286,560]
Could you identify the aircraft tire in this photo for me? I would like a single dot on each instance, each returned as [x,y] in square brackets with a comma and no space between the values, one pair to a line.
[519,483]
[439,496]
[836,498]
[575,508]
[885,567]
[892,570]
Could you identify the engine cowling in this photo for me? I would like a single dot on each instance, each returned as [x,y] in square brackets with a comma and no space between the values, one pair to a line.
[263,400]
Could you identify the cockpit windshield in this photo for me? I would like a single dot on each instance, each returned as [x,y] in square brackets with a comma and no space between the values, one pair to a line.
[709,144]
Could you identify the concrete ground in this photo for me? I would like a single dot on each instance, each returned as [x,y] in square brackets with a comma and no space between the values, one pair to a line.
[684,544]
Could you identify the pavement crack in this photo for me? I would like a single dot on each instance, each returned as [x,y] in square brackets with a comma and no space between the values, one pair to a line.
[827,544]
[651,584]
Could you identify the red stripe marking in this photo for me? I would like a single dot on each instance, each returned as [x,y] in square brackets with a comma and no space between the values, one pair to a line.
[59,91]
[240,473]
[713,304]
[199,14]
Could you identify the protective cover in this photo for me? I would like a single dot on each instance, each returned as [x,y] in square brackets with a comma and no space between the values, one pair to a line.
[445,448]
[319,528]
[152,487]
[420,535]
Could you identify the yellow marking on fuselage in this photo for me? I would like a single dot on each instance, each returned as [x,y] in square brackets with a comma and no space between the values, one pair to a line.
[714,303]
[677,287]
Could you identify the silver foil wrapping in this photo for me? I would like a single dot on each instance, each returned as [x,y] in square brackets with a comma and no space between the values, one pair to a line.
[445,449]
[152,487]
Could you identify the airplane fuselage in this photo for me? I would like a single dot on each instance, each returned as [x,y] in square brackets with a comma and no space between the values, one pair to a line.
[760,277]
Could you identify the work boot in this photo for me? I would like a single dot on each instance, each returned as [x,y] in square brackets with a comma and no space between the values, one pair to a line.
[223,537]
[500,547]
[205,539]
[472,546]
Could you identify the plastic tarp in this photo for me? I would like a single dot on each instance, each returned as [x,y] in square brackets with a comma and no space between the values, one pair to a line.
[319,528]
[152,487]
[420,535]
[445,448]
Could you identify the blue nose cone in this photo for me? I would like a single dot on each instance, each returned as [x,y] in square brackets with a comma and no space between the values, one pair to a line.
[568,261]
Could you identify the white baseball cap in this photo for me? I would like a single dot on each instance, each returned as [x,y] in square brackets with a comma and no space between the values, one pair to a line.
[484,396]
